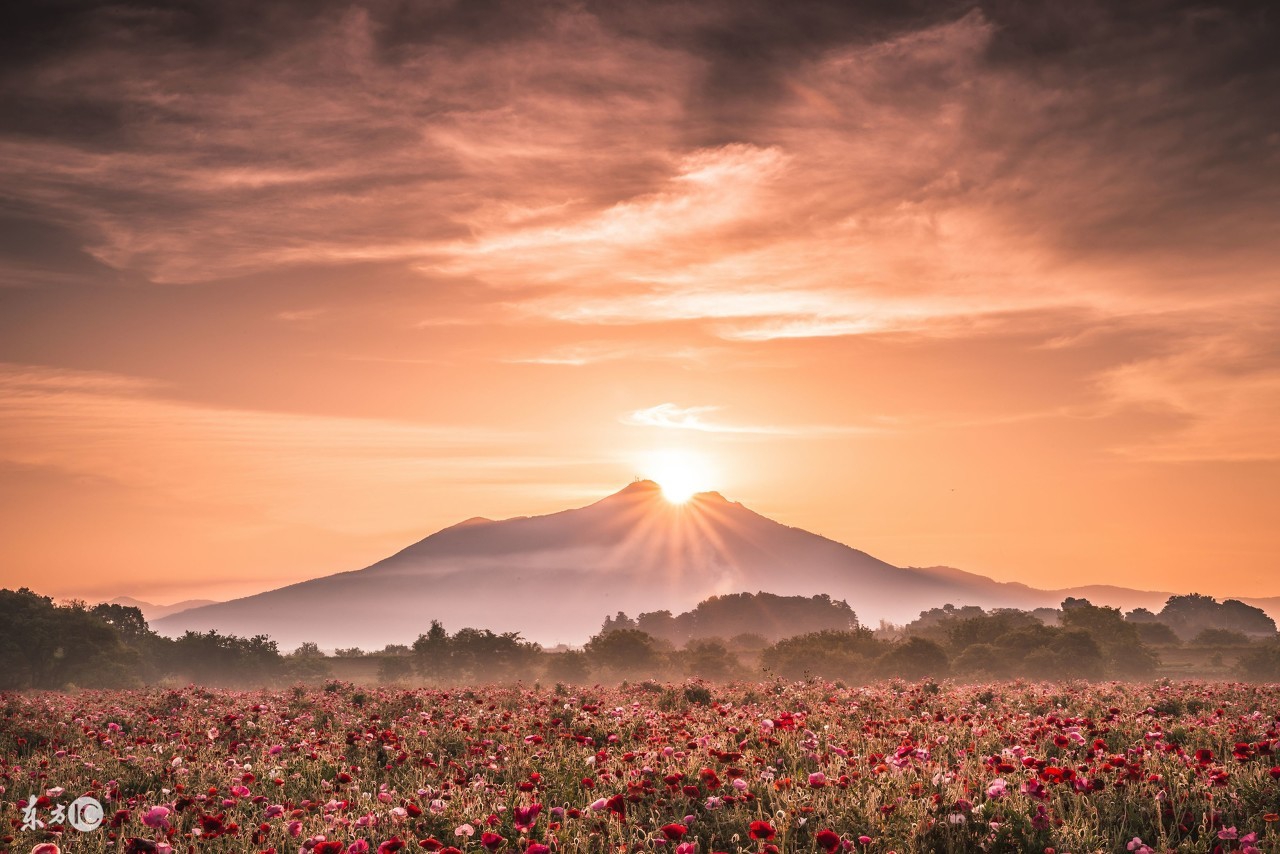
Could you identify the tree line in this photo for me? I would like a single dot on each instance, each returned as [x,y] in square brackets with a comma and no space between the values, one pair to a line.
[44,645]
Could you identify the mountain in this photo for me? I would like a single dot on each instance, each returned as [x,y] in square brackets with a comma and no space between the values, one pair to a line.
[152,612]
[554,578]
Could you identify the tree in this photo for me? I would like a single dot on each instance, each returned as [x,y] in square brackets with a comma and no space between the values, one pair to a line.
[709,659]
[1262,663]
[307,650]
[431,654]
[988,628]
[474,655]
[569,667]
[1122,647]
[307,662]
[914,658]
[617,623]
[829,654]
[625,653]
[479,655]
[1157,633]
[214,658]
[1191,614]
[43,645]
[394,668]
[1220,637]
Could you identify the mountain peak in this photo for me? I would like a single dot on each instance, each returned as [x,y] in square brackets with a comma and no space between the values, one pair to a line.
[641,486]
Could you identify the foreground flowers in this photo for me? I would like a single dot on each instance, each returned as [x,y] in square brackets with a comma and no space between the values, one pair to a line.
[762,767]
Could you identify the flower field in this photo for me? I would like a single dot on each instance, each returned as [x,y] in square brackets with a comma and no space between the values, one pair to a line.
[678,768]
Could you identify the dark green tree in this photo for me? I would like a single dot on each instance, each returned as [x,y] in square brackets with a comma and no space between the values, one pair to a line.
[623,653]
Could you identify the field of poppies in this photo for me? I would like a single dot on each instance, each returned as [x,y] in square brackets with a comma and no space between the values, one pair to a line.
[681,768]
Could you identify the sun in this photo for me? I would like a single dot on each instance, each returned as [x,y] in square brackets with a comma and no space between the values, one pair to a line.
[681,473]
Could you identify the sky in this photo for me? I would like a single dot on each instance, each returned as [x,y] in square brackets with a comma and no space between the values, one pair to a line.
[286,286]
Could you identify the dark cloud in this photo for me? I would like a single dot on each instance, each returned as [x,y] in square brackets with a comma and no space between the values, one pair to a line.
[1102,127]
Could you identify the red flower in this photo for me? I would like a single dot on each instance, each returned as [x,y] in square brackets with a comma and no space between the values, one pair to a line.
[1204,756]
[430,843]
[828,840]
[674,832]
[329,846]
[537,848]
[491,840]
[762,830]
[391,846]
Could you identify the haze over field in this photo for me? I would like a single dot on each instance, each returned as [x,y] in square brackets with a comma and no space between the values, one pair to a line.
[285,285]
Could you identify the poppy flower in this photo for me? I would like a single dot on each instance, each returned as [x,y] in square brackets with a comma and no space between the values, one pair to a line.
[674,832]
[762,830]
[491,840]
[526,817]
[828,840]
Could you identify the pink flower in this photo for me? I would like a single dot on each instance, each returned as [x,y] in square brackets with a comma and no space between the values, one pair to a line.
[274,810]
[294,827]
[998,788]
[46,848]
[526,817]
[358,847]
[1228,833]
[157,817]
[464,830]
[817,779]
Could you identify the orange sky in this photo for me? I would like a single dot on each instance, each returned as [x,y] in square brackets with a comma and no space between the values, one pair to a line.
[285,287]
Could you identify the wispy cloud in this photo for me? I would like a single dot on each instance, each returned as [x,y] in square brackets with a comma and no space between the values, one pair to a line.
[1220,394]
[669,416]
[287,466]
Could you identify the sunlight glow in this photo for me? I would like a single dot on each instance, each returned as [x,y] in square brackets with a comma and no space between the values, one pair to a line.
[680,473]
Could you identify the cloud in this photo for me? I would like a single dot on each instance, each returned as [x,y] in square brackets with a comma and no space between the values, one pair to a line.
[285,466]
[1218,391]
[756,173]
[669,416]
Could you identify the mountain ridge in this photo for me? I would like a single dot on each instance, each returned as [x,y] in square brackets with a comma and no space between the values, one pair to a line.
[554,577]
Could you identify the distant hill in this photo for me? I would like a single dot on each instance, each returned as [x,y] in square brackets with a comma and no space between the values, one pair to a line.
[152,612]
[554,578]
